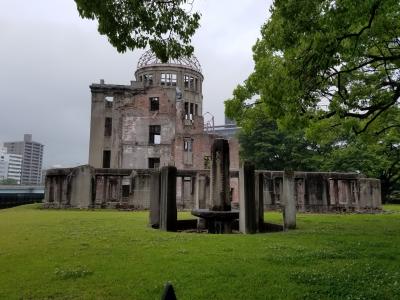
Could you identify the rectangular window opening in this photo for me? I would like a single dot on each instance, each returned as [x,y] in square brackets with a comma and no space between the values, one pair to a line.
[155,134]
[191,83]
[148,79]
[125,190]
[154,162]
[106,158]
[168,79]
[154,103]
[187,151]
[108,127]
[186,81]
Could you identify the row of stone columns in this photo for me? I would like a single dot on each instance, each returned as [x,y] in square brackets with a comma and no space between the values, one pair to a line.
[163,211]
[251,216]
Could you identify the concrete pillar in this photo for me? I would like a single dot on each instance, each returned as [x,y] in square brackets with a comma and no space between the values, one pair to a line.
[154,216]
[200,200]
[288,201]
[220,190]
[168,212]
[247,215]
[259,195]
[376,193]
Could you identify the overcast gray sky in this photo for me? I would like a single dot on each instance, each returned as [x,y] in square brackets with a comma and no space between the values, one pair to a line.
[49,56]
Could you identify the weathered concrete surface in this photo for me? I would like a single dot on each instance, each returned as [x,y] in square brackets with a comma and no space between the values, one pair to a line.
[131,189]
[248,211]
[202,187]
[168,211]
[259,198]
[219,188]
[288,201]
[70,187]
[324,191]
[154,216]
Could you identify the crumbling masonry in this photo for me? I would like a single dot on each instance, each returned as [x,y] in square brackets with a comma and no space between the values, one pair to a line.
[158,121]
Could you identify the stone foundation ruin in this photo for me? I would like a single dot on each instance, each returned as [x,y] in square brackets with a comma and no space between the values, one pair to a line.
[88,187]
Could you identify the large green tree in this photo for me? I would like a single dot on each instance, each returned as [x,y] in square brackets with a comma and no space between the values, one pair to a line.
[166,26]
[332,68]
[320,59]
[271,148]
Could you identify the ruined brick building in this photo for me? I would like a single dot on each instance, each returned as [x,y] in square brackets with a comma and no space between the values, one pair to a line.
[158,120]
[155,121]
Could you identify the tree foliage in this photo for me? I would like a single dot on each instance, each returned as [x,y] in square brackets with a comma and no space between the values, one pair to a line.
[329,69]
[271,148]
[320,59]
[165,25]
[8,181]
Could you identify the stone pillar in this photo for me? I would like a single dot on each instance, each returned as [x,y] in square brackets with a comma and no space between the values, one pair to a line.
[219,190]
[247,215]
[288,201]
[259,195]
[154,216]
[200,200]
[168,212]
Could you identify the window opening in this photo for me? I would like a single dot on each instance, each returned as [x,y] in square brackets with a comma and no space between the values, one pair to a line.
[191,82]
[154,162]
[154,134]
[186,81]
[108,127]
[125,190]
[191,111]
[188,151]
[106,158]
[188,144]
[154,103]
[168,79]
[148,79]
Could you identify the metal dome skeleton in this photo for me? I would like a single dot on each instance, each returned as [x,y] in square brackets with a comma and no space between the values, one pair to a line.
[150,59]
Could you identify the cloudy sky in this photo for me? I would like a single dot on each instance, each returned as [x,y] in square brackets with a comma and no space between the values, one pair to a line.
[49,56]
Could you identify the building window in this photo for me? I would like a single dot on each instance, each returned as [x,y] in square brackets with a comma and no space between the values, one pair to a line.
[186,81]
[108,127]
[188,151]
[106,158]
[154,103]
[154,134]
[125,190]
[154,162]
[190,82]
[191,110]
[188,145]
[148,79]
[168,79]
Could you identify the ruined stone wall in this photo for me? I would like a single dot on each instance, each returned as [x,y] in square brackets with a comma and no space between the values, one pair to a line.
[324,191]
[85,187]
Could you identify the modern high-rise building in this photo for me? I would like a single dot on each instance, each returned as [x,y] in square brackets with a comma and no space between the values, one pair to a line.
[10,165]
[32,158]
[3,163]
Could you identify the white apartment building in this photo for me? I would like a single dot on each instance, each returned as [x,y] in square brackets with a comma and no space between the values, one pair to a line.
[32,158]
[10,165]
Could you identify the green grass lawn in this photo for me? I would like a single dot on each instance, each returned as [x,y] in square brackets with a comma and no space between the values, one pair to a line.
[71,254]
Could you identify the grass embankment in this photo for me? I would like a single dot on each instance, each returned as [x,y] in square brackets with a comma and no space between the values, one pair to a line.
[69,254]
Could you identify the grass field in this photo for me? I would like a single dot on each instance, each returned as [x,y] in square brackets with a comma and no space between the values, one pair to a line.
[71,254]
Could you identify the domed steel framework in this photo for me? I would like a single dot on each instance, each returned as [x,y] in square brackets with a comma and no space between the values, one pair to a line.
[149,58]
